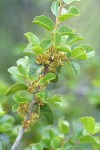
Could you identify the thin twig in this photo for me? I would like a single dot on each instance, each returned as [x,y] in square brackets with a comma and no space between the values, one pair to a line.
[20,134]
[59,13]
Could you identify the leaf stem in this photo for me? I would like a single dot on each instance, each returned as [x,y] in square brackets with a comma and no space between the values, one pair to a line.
[59,13]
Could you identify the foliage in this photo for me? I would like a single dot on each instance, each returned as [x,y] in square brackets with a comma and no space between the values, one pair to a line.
[42,66]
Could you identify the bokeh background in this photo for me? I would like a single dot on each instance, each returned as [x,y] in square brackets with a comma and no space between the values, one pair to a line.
[81,94]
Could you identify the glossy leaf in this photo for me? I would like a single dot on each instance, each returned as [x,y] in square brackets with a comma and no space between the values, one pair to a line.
[32,38]
[46,112]
[37,50]
[75,67]
[88,124]
[44,22]
[45,44]
[15,88]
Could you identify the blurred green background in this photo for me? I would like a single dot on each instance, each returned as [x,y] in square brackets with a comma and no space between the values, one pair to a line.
[81,94]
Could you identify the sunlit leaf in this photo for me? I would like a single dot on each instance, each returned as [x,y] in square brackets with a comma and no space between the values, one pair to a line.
[88,124]
[32,38]
[15,88]
[44,22]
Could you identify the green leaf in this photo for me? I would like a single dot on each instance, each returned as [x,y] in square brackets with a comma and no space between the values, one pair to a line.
[55,8]
[65,48]
[55,99]
[45,44]
[14,107]
[89,49]
[45,143]
[37,146]
[63,126]
[75,67]
[72,11]
[46,112]
[87,139]
[33,68]
[88,124]
[32,38]
[56,143]
[48,77]
[44,22]
[74,38]
[70,1]
[18,99]
[77,52]
[57,39]
[15,88]
[37,50]
[64,30]
[13,70]
[42,95]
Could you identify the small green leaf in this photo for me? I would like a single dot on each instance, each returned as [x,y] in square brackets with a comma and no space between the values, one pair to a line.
[13,70]
[42,95]
[65,48]
[18,99]
[14,107]
[64,30]
[15,88]
[74,38]
[37,50]
[70,1]
[32,38]
[46,112]
[33,68]
[89,49]
[72,11]
[63,126]
[55,99]
[44,22]
[56,143]
[87,139]
[48,77]
[55,8]
[37,146]
[45,143]
[77,52]
[57,39]
[75,67]
[88,124]
[45,44]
